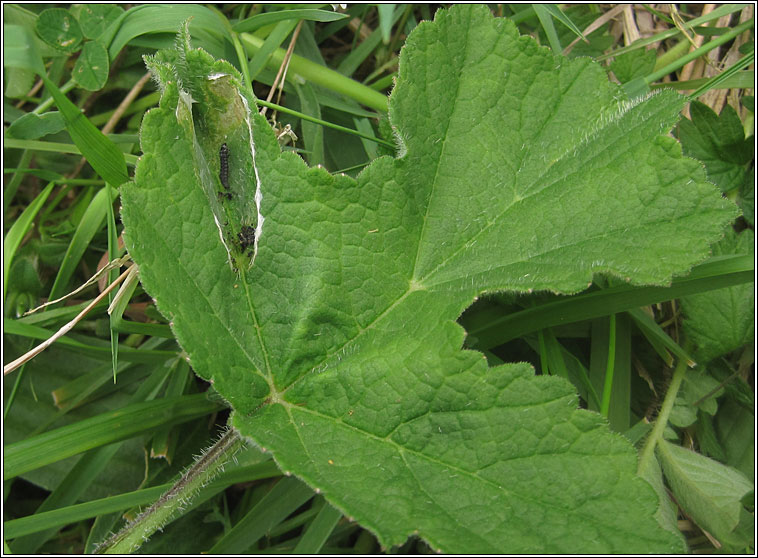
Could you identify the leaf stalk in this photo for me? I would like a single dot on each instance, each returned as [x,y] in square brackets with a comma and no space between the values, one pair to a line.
[648,451]
[131,537]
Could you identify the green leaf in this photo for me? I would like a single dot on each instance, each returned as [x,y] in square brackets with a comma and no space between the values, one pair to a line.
[20,50]
[633,65]
[318,531]
[695,386]
[667,511]
[722,320]
[707,490]
[735,427]
[18,82]
[94,19]
[338,347]
[107,160]
[746,199]
[313,134]
[33,126]
[59,29]
[166,18]
[91,68]
[719,142]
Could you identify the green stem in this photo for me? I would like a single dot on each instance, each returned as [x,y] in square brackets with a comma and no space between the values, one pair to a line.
[648,452]
[320,75]
[605,405]
[47,103]
[131,537]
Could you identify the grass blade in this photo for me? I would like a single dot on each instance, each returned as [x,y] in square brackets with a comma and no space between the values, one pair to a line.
[18,231]
[318,531]
[288,495]
[65,516]
[91,223]
[713,274]
[261,20]
[107,428]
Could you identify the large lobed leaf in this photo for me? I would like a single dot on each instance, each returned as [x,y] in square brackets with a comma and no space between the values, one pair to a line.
[338,347]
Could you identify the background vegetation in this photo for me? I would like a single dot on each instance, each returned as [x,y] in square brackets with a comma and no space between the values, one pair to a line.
[126,441]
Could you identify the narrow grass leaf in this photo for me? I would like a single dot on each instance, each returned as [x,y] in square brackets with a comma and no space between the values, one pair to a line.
[359,54]
[261,58]
[71,514]
[386,21]
[324,123]
[313,134]
[86,470]
[712,275]
[107,428]
[546,20]
[287,495]
[659,339]
[314,537]
[164,442]
[719,81]
[19,229]
[90,224]
[556,12]
[321,75]
[113,276]
[93,347]
[107,160]
[261,20]
[363,125]
[717,13]
[167,18]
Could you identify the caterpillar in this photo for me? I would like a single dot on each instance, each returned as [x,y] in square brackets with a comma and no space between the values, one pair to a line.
[223,155]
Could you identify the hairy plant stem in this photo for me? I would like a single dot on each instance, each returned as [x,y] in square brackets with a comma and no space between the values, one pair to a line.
[136,532]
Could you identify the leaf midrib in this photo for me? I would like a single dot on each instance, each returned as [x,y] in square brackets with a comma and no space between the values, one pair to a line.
[202,295]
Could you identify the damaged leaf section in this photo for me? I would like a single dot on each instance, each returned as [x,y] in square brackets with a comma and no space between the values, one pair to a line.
[213,109]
